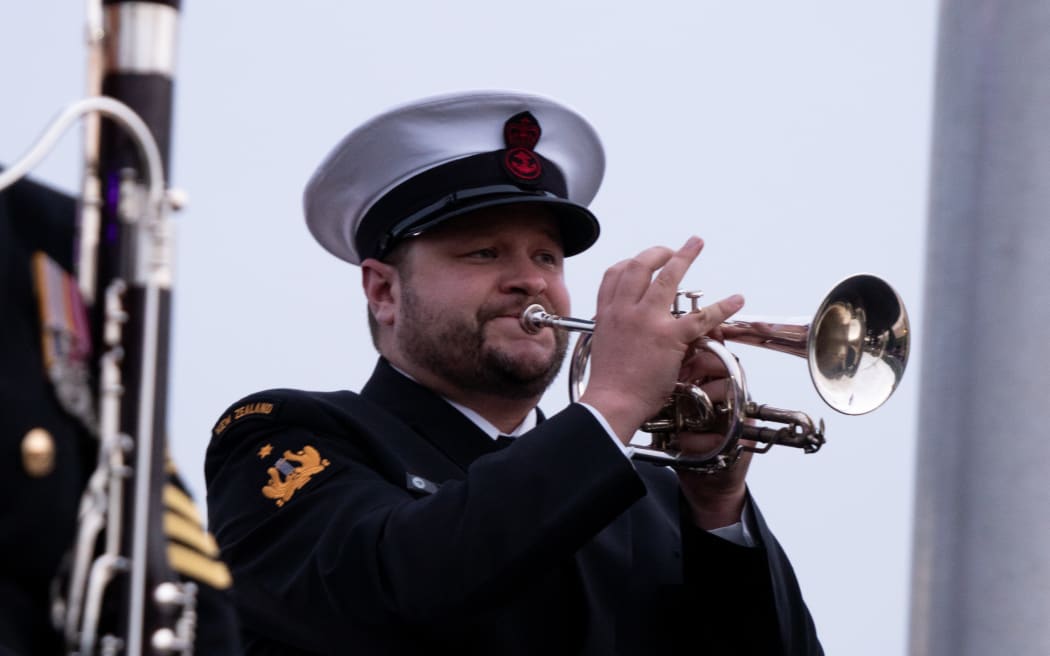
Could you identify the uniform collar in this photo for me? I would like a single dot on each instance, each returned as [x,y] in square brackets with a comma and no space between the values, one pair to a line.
[485,425]
[429,415]
[489,429]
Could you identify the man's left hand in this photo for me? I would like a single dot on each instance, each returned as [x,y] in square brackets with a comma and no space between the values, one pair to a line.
[716,500]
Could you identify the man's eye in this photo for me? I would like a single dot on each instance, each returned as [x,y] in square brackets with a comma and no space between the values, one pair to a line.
[483,253]
[549,259]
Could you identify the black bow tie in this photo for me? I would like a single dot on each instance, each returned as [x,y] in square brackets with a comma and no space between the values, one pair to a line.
[504,440]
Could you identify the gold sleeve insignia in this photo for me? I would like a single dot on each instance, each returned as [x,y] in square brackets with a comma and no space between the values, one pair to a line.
[177,500]
[286,478]
[195,565]
[192,551]
[265,451]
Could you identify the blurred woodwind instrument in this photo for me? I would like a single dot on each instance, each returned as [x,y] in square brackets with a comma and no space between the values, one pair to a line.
[122,596]
[856,345]
[124,261]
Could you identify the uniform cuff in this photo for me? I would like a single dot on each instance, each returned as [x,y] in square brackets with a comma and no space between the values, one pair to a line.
[627,451]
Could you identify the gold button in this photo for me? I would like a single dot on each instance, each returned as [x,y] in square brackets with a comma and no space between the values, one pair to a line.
[38,453]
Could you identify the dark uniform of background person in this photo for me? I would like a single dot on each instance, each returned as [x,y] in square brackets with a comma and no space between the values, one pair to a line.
[394,522]
[48,450]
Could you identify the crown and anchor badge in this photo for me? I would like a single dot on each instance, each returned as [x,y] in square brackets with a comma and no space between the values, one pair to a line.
[521,133]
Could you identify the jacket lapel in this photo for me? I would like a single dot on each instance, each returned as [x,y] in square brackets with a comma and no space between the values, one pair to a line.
[429,415]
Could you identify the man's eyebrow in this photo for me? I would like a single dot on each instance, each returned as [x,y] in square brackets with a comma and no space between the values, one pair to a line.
[554,234]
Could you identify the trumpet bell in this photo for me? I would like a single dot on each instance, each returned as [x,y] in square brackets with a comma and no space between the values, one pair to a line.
[858,345]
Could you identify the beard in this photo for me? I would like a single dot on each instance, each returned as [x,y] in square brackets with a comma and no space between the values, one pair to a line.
[453,346]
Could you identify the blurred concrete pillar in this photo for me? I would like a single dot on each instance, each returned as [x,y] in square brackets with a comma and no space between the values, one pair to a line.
[981,568]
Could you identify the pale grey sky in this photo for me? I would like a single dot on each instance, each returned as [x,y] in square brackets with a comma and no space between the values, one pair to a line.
[792,137]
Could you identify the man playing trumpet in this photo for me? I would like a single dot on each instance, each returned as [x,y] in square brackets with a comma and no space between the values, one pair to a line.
[439,509]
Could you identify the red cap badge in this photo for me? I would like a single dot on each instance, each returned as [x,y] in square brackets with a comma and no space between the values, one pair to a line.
[521,132]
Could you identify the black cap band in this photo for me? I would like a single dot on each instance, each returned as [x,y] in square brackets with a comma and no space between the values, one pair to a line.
[425,200]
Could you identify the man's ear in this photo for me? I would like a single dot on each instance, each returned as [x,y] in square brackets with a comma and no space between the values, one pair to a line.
[382,287]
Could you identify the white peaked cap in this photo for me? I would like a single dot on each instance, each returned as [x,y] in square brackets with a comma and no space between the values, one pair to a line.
[420,164]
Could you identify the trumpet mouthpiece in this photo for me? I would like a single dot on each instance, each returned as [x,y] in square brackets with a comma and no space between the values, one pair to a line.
[533,318]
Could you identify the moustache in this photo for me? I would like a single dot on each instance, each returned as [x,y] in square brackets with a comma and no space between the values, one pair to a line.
[497,310]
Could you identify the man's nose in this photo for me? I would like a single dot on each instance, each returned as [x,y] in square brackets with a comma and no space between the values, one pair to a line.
[524,276]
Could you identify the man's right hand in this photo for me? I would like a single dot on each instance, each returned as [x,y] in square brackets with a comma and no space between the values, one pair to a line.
[638,346]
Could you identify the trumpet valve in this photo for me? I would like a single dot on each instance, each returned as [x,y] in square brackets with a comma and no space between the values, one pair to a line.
[694,297]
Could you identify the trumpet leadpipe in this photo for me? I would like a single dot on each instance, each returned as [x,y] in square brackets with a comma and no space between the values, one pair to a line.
[535,318]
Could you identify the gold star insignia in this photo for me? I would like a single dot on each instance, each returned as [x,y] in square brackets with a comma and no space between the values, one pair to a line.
[265,451]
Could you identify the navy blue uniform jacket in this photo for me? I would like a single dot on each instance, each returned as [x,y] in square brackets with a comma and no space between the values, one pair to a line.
[388,523]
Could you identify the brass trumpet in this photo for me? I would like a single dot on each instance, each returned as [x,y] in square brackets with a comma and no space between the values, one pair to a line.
[857,349]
